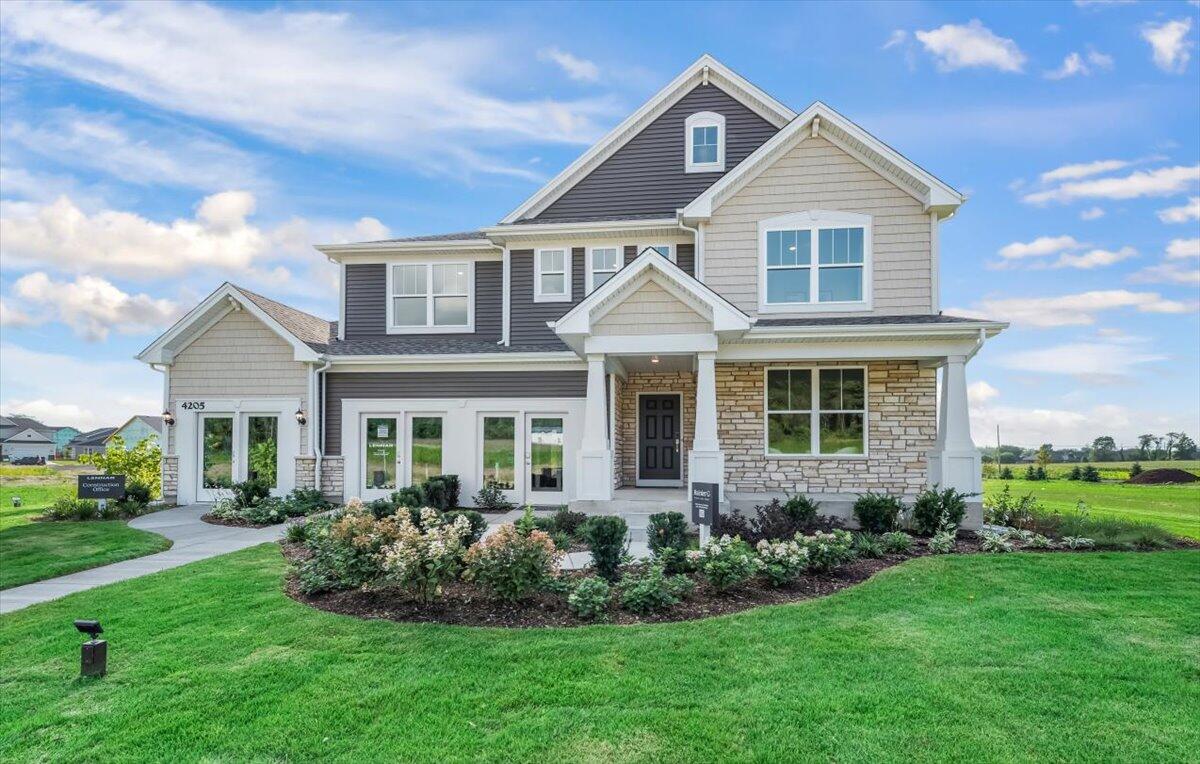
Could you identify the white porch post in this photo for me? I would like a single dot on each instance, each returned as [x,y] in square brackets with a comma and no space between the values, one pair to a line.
[955,462]
[706,461]
[594,463]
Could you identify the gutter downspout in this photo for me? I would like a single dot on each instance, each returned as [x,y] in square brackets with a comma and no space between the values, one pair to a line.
[317,430]
[698,240]
[505,297]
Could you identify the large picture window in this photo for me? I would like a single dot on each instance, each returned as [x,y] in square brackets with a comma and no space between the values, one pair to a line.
[815,261]
[430,297]
[816,411]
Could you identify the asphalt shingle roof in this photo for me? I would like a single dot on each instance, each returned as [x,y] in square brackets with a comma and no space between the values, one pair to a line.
[309,329]
[457,236]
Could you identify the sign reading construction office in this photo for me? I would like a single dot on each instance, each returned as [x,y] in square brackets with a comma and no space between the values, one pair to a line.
[101,487]
[704,503]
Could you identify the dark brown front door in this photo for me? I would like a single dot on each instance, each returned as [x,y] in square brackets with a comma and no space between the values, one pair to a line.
[659,433]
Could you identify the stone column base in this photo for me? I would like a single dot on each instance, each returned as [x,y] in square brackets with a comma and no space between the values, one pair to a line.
[306,471]
[332,479]
[170,479]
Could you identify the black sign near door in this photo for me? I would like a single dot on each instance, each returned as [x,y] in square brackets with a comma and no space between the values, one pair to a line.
[659,425]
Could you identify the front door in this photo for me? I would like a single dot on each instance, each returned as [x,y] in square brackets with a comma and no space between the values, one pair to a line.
[380,456]
[659,425]
[216,456]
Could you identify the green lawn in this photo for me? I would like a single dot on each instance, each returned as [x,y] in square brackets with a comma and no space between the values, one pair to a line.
[1050,657]
[37,486]
[1110,470]
[1174,507]
[36,551]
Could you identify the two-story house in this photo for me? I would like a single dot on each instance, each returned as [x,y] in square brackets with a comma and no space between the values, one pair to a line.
[721,290]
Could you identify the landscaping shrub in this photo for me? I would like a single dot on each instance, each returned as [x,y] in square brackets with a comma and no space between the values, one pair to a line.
[994,543]
[867,546]
[781,561]
[1135,469]
[803,511]
[511,564]
[565,521]
[667,539]
[528,523]
[943,542]
[491,498]
[1038,541]
[412,496]
[1005,509]
[1107,532]
[250,492]
[1006,473]
[420,559]
[477,525]
[895,542]
[1035,473]
[653,591]
[70,508]
[305,501]
[268,511]
[605,534]
[141,464]
[734,524]
[827,551]
[137,494]
[590,598]
[1077,542]
[344,549]
[1091,474]
[297,533]
[382,508]
[775,520]
[878,512]
[934,508]
[1076,473]
[452,487]
[437,493]
[727,561]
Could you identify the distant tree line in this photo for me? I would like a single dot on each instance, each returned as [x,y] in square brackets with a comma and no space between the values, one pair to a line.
[1169,447]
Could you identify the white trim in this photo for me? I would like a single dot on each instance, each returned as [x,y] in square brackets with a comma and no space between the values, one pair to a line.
[448,246]
[651,344]
[591,263]
[430,298]
[341,332]
[814,411]
[538,294]
[704,68]
[506,298]
[562,359]
[935,297]
[814,221]
[703,119]
[638,480]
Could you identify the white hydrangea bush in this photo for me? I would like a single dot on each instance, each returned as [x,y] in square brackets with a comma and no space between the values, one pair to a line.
[422,557]
[781,561]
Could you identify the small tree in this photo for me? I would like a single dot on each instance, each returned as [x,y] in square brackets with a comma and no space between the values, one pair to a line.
[1103,448]
[1145,443]
[141,464]
[1185,447]
[1045,455]
[1135,470]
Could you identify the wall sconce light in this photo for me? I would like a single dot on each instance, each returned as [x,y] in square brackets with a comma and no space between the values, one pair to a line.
[168,418]
[300,417]
[653,359]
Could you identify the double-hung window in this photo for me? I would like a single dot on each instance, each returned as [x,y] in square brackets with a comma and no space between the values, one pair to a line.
[705,142]
[603,264]
[815,261]
[816,411]
[552,275]
[430,297]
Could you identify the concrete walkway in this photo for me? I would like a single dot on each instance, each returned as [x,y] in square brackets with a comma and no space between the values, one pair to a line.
[193,540]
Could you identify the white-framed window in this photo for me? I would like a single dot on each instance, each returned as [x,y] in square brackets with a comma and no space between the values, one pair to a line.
[705,142]
[436,297]
[815,260]
[603,264]
[552,274]
[666,250]
[815,412]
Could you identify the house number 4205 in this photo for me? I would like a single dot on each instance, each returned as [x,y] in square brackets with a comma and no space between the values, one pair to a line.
[192,405]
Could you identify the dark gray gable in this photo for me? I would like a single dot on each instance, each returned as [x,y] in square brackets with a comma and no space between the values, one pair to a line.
[646,174]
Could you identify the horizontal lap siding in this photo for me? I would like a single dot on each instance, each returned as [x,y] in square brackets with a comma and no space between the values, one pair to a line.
[435,384]
[366,302]
[646,175]
[818,175]
[651,310]
[528,318]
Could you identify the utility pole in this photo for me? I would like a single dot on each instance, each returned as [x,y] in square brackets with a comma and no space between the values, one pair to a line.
[999,460]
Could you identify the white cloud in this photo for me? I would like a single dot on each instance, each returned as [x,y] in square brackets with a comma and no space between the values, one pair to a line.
[1167,273]
[1082,170]
[1092,213]
[1161,182]
[415,96]
[14,317]
[1183,213]
[1101,3]
[1070,309]
[1072,427]
[574,67]
[1075,64]
[1169,44]
[981,392]
[93,307]
[1096,258]
[1098,362]
[1100,60]
[1039,247]
[141,152]
[959,46]
[63,389]
[1183,249]
[897,37]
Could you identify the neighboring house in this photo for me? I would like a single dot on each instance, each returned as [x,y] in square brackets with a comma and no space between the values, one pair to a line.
[62,439]
[91,442]
[721,290]
[58,436]
[138,428]
[27,442]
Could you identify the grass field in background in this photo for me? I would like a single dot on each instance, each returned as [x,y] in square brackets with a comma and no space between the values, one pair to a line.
[1174,507]
[1053,657]
[38,551]
[1108,470]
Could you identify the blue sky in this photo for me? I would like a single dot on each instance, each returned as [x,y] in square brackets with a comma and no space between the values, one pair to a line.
[151,151]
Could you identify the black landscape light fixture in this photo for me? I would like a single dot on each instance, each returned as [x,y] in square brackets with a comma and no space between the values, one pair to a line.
[168,418]
[93,656]
[300,417]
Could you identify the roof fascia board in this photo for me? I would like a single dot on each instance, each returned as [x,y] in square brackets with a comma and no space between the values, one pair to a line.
[336,251]
[459,359]
[909,330]
[746,92]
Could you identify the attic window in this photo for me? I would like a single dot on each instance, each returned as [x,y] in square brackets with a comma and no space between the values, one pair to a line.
[705,138]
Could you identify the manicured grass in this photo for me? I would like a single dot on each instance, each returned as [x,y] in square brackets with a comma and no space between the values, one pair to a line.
[35,497]
[37,551]
[1051,657]
[1174,507]
[1110,470]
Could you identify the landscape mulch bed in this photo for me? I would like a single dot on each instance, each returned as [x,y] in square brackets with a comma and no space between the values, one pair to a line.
[465,605]
[1163,476]
[233,523]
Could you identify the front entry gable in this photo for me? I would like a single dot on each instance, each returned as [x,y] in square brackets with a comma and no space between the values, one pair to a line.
[651,309]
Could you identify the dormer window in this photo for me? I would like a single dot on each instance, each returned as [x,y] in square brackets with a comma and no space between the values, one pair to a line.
[705,137]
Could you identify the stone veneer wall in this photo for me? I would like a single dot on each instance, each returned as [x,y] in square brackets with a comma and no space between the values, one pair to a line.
[306,471]
[331,478]
[618,443]
[682,382]
[170,479]
[902,427]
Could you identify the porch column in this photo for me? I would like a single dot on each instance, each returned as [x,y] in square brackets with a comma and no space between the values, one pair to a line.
[955,462]
[594,464]
[706,461]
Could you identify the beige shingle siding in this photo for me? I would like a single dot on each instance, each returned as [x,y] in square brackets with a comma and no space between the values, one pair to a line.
[239,357]
[818,175]
[651,310]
